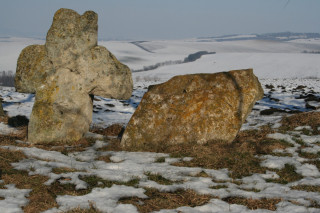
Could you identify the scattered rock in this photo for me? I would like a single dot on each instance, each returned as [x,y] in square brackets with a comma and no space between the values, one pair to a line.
[195,108]
[300,87]
[269,86]
[309,97]
[65,74]
[276,110]
[18,121]
[110,105]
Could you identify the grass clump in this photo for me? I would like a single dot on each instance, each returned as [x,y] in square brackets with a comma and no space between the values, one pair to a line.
[315,162]
[287,175]
[302,119]
[159,179]
[264,203]
[202,174]
[218,187]
[95,181]
[92,209]
[166,200]
[60,170]
[160,160]
[309,155]
[308,188]
[250,190]
[104,158]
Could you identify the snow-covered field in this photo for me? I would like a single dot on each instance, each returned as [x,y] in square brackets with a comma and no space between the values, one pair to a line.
[290,78]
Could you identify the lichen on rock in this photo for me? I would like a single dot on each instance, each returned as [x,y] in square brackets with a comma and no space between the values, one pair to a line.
[64,73]
[195,108]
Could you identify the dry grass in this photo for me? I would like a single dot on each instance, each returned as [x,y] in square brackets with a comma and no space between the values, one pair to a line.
[65,148]
[287,175]
[40,199]
[112,130]
[166,200]
[308,188]
[202,174]
[92,209]
[113,145]
[238,157]
[219,187]
[309,155]
[104,158]
[264,203]
[63,170]
[315,162]
[302,119]
[160,179]
[94,181]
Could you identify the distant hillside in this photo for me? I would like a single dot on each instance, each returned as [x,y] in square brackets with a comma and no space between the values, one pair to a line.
[282,36]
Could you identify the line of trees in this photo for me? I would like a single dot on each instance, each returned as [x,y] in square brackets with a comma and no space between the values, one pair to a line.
[7,78]
[190,58]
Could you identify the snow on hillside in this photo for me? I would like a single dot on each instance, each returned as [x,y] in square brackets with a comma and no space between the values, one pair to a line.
[249,53]
[291,82]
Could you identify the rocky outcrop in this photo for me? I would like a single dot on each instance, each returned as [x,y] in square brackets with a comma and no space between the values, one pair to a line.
[195,108]
[64,73]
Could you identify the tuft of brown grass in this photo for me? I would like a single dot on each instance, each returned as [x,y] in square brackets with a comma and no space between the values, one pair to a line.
[202,174]
[104,158]
[11,139]
[309,155]
[112,130]
[113,145]
[302,119]
[287,175]
[315,162]
[67,147]
[219,187]
[264,203]
[166,200]
[95,181]
[308,188]
[92,209]
[61,170]
[160,179]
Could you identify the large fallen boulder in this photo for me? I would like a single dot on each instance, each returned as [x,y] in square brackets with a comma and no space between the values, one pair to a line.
[64,73]
[197,108]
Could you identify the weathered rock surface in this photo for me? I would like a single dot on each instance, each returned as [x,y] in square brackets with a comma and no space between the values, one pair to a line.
[195,108]
[64,73]
[33,67]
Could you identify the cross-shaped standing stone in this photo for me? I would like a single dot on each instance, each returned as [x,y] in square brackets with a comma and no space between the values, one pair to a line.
[64,73]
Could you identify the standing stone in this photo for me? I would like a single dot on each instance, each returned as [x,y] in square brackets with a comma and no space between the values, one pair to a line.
[195,108]
[64,73]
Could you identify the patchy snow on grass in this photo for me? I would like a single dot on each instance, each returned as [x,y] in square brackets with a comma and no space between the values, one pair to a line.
[287,76]
[14,199]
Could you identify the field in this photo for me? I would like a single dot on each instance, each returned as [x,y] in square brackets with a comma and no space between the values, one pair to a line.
[272,166]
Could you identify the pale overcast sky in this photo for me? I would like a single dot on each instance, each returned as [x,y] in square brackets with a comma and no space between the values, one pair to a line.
[166,19]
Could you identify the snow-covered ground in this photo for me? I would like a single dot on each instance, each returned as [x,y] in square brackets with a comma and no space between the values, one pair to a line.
[288,77]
